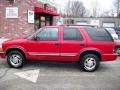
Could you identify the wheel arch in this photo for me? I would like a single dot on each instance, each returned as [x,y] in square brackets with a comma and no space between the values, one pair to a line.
[15,49]
[97,53]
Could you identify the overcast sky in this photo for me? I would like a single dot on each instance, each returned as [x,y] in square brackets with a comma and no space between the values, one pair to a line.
[102,4]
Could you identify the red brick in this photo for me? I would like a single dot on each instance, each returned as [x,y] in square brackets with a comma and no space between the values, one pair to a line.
[12,28]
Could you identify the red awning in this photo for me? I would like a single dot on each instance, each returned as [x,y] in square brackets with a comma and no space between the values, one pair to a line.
[47,12]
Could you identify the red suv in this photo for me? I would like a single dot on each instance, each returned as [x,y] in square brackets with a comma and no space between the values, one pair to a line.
[86,45]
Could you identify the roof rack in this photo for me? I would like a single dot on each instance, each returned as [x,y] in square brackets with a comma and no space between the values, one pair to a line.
[78,25]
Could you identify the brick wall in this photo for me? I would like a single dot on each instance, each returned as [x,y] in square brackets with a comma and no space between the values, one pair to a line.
[18,27]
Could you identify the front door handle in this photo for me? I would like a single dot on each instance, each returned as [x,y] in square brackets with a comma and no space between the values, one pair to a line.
[82,44]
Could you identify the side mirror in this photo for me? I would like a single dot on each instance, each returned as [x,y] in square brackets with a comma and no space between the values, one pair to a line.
[36,38]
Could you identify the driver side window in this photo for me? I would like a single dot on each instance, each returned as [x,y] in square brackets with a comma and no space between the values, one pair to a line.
[48,34]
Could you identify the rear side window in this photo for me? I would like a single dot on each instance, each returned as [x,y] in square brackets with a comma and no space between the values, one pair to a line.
[72,34]
[98,34]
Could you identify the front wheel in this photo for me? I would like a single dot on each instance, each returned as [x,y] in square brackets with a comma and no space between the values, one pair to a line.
[89,62]
[15,59]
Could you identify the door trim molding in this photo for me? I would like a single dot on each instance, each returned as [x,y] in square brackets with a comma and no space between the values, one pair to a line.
[52,54]
[43,54]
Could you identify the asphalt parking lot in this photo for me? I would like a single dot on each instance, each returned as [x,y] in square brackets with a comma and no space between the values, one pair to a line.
[59,76]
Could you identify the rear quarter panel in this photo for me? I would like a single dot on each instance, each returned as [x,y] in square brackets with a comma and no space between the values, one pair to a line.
[105,48]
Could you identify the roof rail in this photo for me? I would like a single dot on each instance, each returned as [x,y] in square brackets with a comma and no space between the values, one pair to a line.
[78,25]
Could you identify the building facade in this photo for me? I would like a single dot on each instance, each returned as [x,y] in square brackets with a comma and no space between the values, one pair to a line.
[19,18]
[100,22]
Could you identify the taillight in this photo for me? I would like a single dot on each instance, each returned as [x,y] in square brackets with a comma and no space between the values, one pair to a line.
[114,51]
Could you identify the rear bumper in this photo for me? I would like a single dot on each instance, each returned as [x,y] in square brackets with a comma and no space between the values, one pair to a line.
[109,57]
[2,54]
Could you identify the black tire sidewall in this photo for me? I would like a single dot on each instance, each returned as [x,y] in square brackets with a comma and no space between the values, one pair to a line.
[15,52]
[82,66]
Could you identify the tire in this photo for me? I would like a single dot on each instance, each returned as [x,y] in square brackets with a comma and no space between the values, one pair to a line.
[89,62]
[15,59]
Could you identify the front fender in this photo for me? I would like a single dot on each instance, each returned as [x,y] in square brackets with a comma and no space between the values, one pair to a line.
[16,47]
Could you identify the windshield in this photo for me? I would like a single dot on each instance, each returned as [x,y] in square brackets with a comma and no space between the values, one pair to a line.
[111,30]
[113,33]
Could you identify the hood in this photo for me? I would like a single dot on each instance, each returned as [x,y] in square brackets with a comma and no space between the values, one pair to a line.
[18,40]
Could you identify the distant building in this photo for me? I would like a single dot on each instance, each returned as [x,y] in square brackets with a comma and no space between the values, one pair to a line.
[19,18]
[100,22]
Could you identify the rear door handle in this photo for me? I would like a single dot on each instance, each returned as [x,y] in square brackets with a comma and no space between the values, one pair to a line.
[57,44]
[82,44]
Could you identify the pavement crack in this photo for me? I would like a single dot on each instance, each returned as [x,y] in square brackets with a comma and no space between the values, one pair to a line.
[5,72]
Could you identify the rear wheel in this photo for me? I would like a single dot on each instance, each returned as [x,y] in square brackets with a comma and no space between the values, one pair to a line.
[89,62]
[15,59]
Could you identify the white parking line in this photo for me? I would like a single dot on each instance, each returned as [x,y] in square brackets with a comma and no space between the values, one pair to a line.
[30,75]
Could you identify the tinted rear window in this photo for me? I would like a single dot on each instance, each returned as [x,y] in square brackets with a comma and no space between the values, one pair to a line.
[98,34]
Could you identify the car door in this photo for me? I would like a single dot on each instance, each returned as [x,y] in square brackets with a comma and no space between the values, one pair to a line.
[46,45]
[72,43]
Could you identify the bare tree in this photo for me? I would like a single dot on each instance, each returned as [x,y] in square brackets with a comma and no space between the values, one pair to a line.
[75,9]
[95,9]
[105,14]
[117,6]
